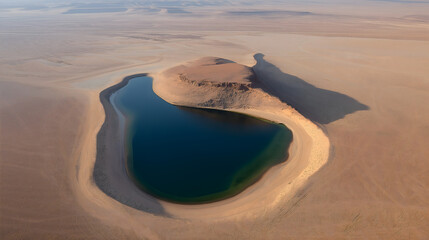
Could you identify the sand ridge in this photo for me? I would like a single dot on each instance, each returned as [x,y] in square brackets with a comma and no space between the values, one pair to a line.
[277,186]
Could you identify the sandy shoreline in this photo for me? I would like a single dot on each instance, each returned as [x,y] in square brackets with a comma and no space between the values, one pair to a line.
[110,175]
[278,185]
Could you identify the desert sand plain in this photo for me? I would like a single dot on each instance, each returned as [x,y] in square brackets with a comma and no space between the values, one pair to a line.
[359,71]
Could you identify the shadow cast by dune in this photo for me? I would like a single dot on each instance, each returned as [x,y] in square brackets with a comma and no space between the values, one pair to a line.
[319,105]
[110,174]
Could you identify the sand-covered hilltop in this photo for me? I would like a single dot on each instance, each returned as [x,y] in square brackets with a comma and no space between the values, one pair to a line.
[213,82]
[214,70]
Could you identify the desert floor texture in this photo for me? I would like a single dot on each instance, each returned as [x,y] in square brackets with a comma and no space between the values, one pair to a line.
[359,71]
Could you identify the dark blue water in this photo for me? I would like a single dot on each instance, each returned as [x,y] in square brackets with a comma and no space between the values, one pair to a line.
[188,155]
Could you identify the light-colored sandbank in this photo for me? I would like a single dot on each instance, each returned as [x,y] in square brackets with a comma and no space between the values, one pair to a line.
[308,153]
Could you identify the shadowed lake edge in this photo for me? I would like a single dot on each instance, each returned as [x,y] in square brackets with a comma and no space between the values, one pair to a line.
[109,173]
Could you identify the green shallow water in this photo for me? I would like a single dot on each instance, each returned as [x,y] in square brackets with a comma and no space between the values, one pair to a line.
[191,156]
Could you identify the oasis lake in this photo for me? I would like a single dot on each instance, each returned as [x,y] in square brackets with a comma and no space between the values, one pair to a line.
[193,156]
